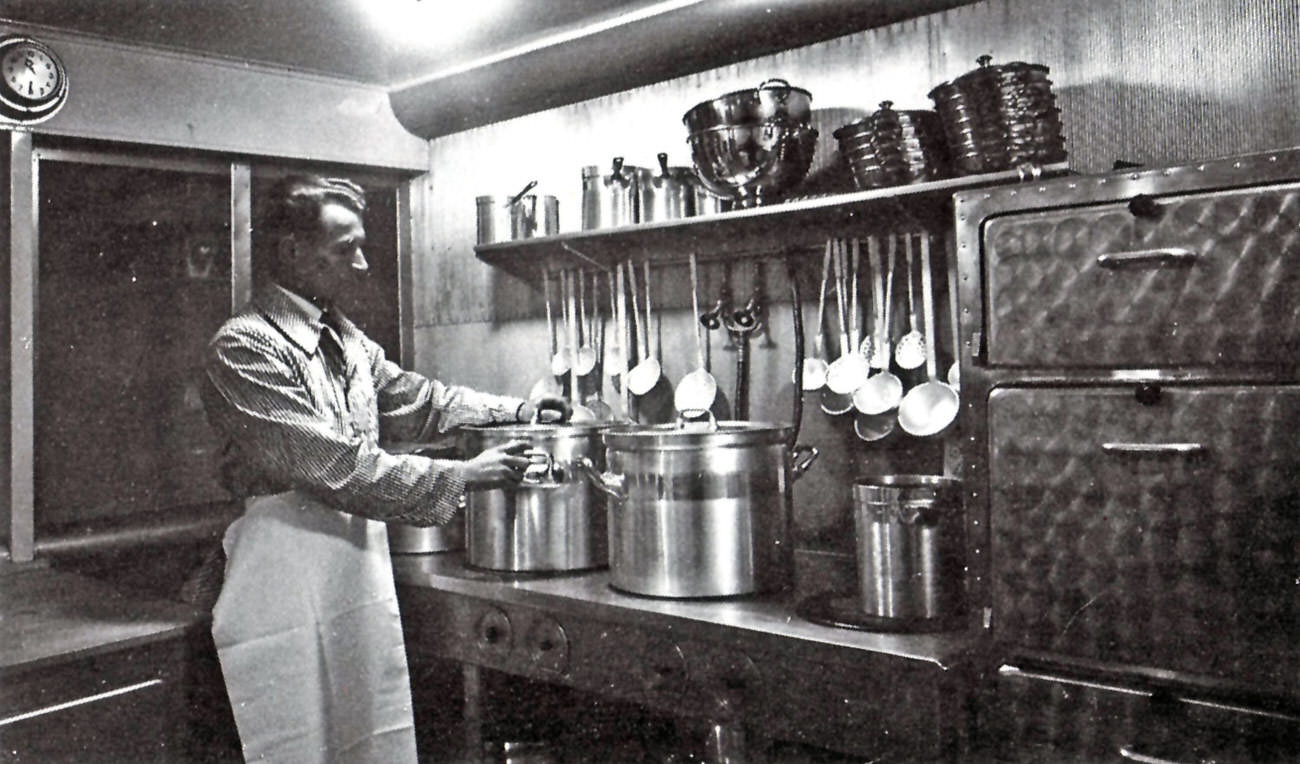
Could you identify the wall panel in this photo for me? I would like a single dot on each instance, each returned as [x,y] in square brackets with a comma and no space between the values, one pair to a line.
[141,95]
[1155,81]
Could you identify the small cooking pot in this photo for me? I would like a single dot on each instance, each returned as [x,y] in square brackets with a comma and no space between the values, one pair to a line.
[699,509]
[609,200]
[666,195]
[774,100]
[553,520]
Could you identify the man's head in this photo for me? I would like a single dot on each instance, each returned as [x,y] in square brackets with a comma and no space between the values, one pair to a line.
[314,229]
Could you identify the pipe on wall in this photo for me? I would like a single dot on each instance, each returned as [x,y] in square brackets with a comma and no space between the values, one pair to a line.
[689,39]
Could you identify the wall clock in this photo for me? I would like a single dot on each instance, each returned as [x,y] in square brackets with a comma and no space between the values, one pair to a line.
[33,82]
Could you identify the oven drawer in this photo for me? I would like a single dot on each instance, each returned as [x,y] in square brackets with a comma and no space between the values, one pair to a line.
[1149,528]
[1036,714]
[1188,280]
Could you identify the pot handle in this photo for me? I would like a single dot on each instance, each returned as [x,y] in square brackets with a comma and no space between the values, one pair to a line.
[607,483]
[539,458]
[682,419]
[802,457]
[515,199]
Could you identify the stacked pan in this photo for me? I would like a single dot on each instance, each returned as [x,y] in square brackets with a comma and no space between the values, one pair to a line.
[1000,117]
[894,148]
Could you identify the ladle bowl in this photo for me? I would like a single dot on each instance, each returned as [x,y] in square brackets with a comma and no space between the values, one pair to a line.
[880,393]
[928,408]
[642,378]
[695,392]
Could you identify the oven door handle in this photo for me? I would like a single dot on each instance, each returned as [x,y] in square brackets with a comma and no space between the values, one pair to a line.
[1160,255]
[1143,449]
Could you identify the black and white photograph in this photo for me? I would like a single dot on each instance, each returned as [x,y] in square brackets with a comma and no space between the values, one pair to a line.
[650,381]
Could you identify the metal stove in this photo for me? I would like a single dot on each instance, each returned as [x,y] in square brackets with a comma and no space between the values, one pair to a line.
[749,668]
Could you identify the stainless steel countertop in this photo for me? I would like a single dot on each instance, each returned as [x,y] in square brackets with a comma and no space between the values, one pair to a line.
[765,617]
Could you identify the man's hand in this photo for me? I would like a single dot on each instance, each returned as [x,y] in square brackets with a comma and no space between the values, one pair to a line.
[549,409]
[498,466]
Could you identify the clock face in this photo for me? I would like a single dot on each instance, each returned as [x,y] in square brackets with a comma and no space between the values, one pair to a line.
[33,82]
[30,72]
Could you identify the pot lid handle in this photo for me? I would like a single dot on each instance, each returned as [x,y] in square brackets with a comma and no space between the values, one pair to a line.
[515,199]
[663,163]
[682,419]
[765,83]
[984,60]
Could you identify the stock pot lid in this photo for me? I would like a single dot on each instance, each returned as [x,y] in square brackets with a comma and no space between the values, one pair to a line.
[535,432]
[695,435]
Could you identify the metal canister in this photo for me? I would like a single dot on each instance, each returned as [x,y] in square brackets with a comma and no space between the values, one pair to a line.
[909,546]
[608,201]
[495,219]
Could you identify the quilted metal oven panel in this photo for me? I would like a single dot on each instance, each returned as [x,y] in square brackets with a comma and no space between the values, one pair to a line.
[1163,534]
[1197,279]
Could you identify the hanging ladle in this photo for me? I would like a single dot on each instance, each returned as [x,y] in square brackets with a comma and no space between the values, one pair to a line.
[595,400]
[814,368]
[882,392]
[559,352]
[848,372]
[954,371]
[697,390]
[837,396]
[910,352]
[645,375]
[548,384]
[930,406]
[585,359]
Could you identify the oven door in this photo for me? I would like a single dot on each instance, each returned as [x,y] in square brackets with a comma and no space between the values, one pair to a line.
[1149,529]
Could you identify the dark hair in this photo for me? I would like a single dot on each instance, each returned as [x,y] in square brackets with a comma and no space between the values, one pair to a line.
[293,207]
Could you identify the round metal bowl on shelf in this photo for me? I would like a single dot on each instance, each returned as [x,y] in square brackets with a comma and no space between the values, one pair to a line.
[774,100]
[752,164]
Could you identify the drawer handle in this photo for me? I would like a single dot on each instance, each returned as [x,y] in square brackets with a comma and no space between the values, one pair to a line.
[79,702]
[1181,449]
[1179,255]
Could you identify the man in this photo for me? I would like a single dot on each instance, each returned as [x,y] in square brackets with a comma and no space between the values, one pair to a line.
[306,625]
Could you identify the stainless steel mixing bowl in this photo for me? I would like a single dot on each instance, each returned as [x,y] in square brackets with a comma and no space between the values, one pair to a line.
[752,164]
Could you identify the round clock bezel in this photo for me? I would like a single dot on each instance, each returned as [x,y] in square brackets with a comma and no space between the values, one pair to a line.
[19,108]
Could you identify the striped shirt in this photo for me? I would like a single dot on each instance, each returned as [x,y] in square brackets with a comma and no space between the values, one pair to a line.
[305,405]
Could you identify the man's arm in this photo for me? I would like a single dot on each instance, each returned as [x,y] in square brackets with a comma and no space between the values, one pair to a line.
[264,405]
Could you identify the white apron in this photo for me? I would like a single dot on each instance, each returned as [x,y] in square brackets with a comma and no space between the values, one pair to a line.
[309,638]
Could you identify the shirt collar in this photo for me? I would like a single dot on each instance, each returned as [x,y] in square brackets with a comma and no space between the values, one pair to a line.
[294,315]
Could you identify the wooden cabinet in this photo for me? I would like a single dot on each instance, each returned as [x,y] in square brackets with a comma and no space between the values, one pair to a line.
[88,674]
[1131,390]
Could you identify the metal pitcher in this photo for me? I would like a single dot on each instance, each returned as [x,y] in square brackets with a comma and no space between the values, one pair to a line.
[608,201]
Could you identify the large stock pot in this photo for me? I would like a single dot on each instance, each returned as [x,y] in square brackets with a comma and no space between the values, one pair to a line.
[554,520]
[700,509]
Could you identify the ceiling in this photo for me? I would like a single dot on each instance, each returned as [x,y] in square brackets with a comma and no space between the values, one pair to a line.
[384,42]
[449,65]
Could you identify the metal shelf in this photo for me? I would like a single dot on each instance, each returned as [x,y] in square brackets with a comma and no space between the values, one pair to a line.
[774,230]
